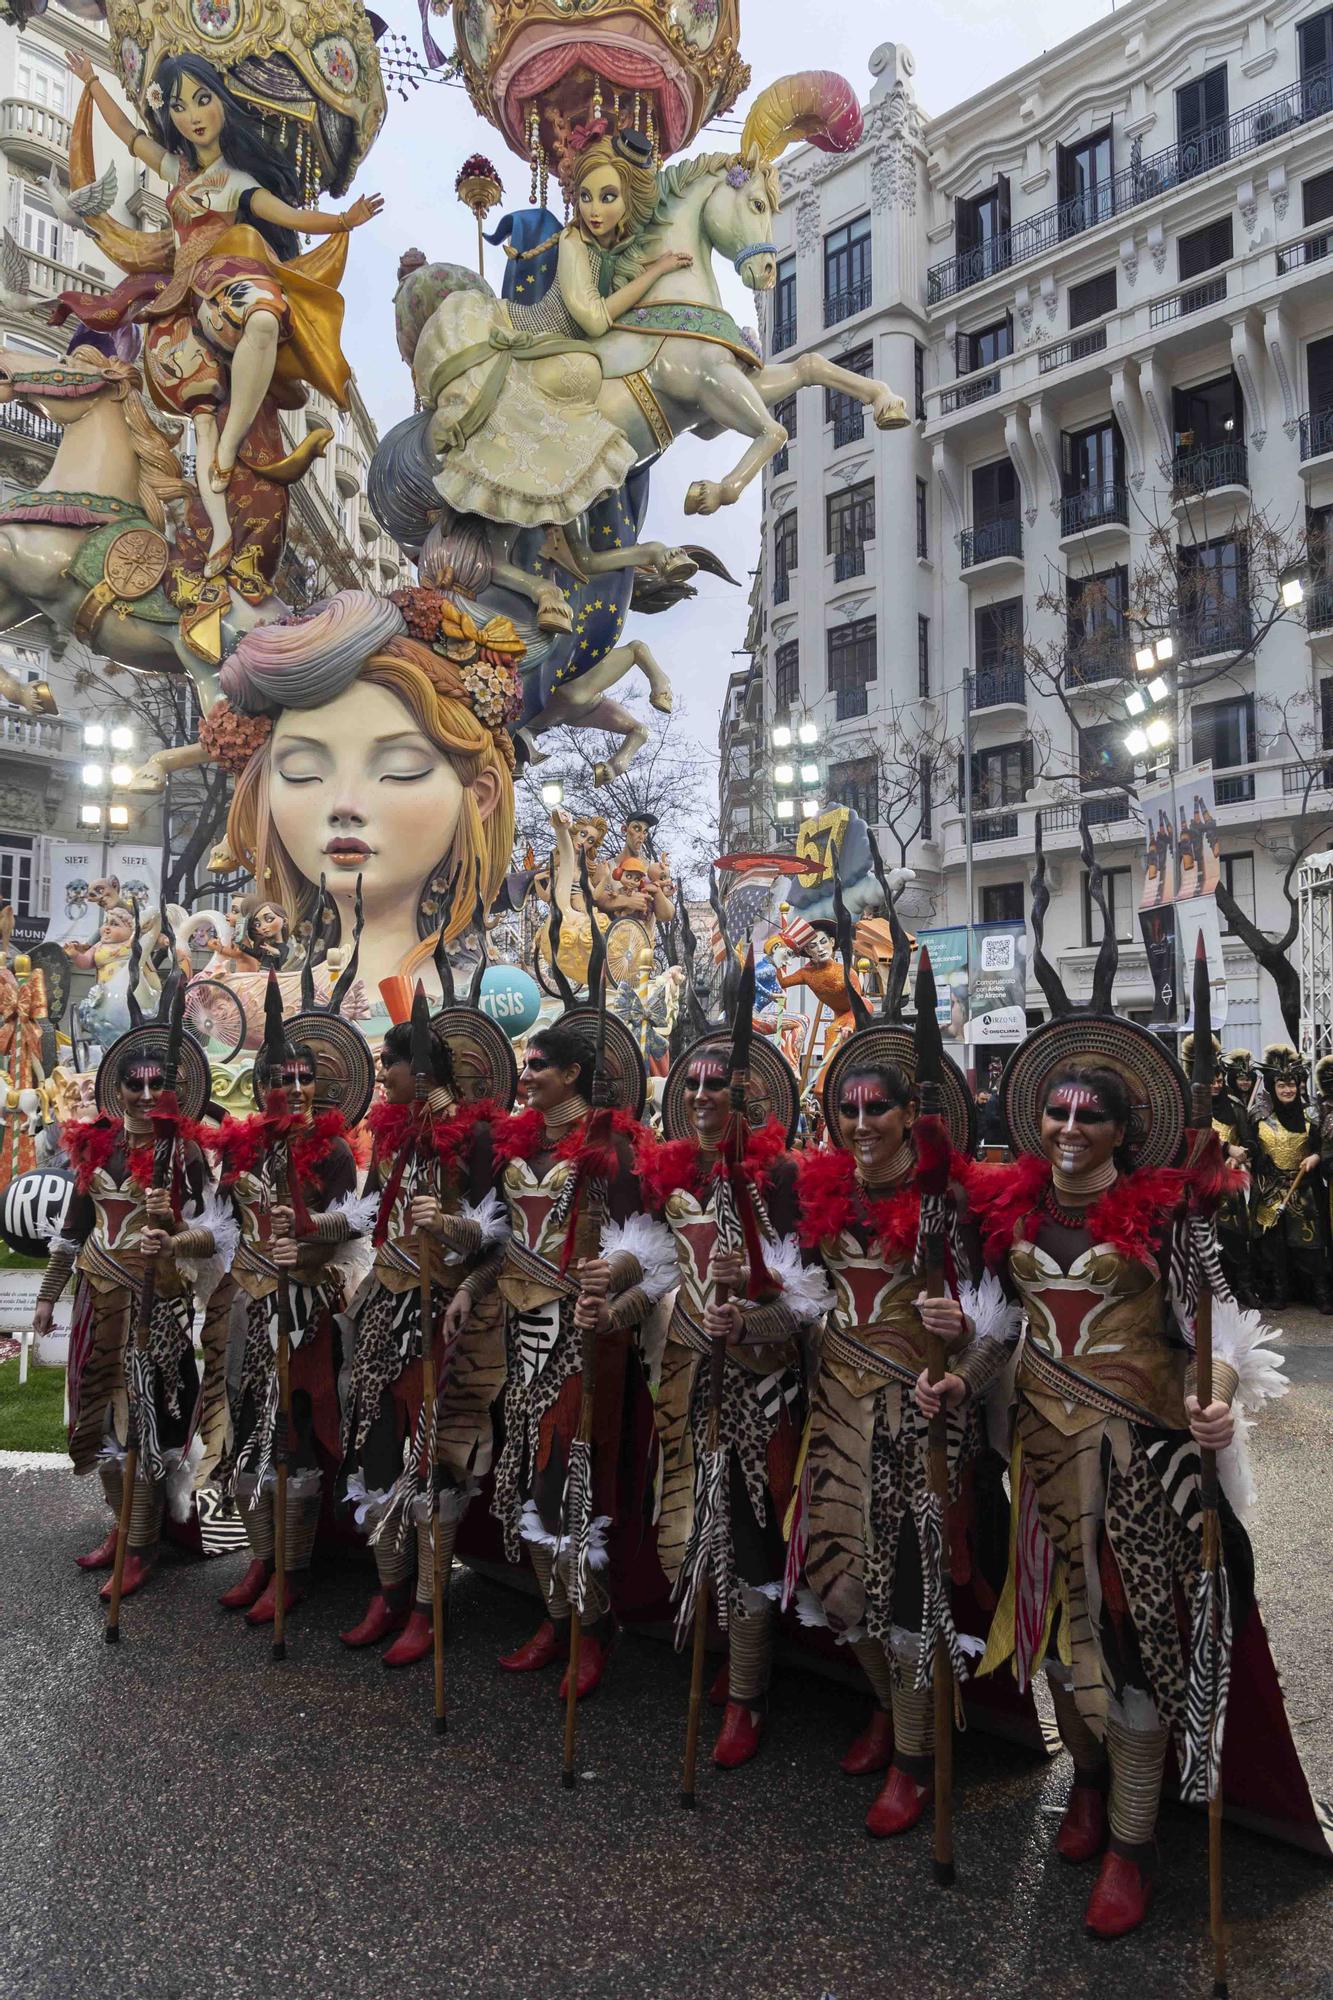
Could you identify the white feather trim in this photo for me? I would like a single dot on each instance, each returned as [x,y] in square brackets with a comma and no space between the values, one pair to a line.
[360,1210]
[1241,1339]
[993,1315]
[180,1479]
[364,1500]
[58,1245]
[491,1217]
[650,1244]
[532,1528]
[206,1273]
[805,1289]
[756,1596]
[809,1611]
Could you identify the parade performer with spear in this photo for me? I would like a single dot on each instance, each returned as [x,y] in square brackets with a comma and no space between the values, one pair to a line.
[291,1177]
[730,1403]
[139,1209]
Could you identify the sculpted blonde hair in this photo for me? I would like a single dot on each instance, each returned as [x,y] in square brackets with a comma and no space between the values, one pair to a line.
[432,692]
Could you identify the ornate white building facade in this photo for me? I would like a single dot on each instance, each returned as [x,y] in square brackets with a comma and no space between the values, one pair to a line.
[1103,287]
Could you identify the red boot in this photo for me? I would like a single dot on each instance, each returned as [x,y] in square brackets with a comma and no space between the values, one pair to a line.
[381,1620]
[739,1737]
[138,1569]
[264,1609]
[873,1748]
[593,1655]
[899,1806]
[1120,1897]
[416,1639]
[720,1692]
[243,1594]
[102,1557]
[543,1649]
[1083,1829]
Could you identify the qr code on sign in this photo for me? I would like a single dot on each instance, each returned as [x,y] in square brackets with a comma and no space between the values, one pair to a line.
[997,954]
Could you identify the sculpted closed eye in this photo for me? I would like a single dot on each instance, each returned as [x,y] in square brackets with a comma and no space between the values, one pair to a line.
[298,770]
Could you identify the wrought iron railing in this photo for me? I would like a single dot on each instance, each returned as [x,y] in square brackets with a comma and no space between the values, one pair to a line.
[992,687]
[1233,791]
[1310,250]
[852,702]
[1068,817]
[992,539]
[1319,606]
[780,461]
[1316,433]
[1077,348]
[1094,507]
[1141,181]
[841,305]
[849,425]
[975,390]
[1216,628]
[1099,658]
[1203,471]
[1194,298]
[20,421]
[784,333]
[994,825]
[781,586]
[849,562]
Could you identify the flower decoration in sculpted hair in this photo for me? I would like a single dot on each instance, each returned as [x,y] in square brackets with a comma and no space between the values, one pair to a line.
[230,738]
[153,96]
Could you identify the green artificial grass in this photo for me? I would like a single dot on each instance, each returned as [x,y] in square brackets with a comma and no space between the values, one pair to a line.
[32,1418]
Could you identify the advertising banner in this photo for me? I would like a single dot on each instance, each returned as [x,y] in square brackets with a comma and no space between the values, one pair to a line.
[75,866]
[1180,858]
[1196,919]
[948,960]
[1159,939]
[997,996]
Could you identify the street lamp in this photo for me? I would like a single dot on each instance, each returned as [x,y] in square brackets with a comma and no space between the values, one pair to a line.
[780,736]
[1137,743]
[808,732]
[552,792]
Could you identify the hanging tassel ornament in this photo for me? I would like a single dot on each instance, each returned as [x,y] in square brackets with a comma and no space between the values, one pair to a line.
[596,95]
[534,151]
[636,110]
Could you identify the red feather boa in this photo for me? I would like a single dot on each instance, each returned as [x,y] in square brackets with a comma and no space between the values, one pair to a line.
[88,1145]
[668,1166]
[242,1143]
[830,1201]
[523,1135]
[1132,1216]
[393,1126]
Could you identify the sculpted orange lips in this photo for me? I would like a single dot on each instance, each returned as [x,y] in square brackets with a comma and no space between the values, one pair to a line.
[347,852]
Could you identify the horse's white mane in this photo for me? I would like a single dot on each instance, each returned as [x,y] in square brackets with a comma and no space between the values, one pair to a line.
[674,181]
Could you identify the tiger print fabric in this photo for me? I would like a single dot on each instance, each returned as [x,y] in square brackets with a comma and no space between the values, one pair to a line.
[103,1401]
[525,1405]
[213,1422]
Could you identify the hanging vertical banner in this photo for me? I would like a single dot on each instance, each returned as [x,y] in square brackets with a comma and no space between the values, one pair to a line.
[75,866]
[997,995]
[138,869]
[948,959]
[1199,919]
[1180,858]
[1159,938]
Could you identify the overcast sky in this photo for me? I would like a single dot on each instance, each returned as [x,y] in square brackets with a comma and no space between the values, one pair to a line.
[960,46]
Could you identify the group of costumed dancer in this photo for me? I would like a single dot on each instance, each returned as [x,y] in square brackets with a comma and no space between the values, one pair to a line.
[862,1335]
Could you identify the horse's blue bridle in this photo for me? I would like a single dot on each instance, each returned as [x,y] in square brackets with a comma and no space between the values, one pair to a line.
[753,250]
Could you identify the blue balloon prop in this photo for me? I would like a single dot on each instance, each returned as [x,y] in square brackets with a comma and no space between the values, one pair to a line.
[511,997]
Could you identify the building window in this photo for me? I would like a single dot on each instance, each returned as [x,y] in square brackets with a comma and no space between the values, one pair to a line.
[847,270]
[847,416]
[922,538]
[1085,179]
[1222,732]
[1102,757]
[1319,377]
[1093,299]
[785,414]
[784,556]
[1326,714]
[1317,199]
[1214,598]
[1095,635]
[981,228]
[1238,880]
[784,304]
[856,785]
[923,657]
[1201,123]
[986,346]
[919,377]
[927,795]
[1118,889]
[994,492]
[1203,249]
[1002,776]
[999,634]
[787,677]
[1002,903]
[849,522]
[41,78]
[1315,39]
[16,880]
[35,223]
[851,665]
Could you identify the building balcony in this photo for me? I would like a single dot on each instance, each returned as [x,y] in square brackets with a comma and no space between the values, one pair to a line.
[1106,809]
[1310,250]
[841,305]
[348,474]
[366,522]
[1092,662]
[781,587]
[784,333]
[997,687]
[848,563]
[780,462]
[1094,507]
[975,390]
[993,826]
[1316,434]
[42,736]
[33,133]
[849,425]
[851,702]
[46,278]
[1254,126]
[1319,607]
[1210,470]
[1217,628]
[1194,298]
[999,541]
[1233,788]
[30,426]
[1077,348]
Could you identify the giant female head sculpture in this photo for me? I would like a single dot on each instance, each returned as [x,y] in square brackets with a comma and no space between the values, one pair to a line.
[388,763]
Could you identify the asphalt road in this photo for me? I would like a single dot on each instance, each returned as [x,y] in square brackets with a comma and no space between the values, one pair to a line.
[184,1821]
